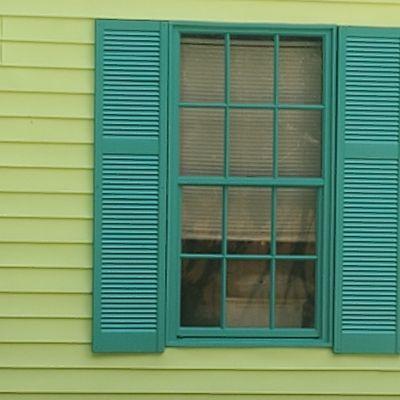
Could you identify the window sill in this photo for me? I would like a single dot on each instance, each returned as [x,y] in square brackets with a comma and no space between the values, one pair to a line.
[247,342]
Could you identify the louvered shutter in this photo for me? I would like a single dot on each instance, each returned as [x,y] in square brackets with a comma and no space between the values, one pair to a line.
[368,191]
[130,170]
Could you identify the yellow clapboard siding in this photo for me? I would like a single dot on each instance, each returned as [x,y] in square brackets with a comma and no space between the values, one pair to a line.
[66,305]
[27,129]
[143,396]
[46,155]
[45,180]
[51,130]
[46,105]
[81,356]
[59,80]
[45,230]
[48,29]
[45,330]
[344,12]
[31,280]
[46,205]
[67,68]
[189,381]
[36,54]
[51,255]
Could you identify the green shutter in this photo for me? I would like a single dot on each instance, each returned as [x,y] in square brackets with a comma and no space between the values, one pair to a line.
[130,171]
[368,191]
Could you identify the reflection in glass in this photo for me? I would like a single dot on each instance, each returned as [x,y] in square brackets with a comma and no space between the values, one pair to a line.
[202,69]
[201,220]
[300,70]
[202,141]
[200,292]
[296,215]
[249,220]
[251,138]
[247,303]
[252,69]
[295,294]
[300,134]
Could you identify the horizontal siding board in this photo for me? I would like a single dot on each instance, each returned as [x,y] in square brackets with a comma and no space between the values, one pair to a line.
[61,55]
[46,205]
[194,396]
[45,330]
[64,355]
[38,29]
[51,80]
[47,305]
[46,255]
[46,180]
[29,129]
[45,230]
[44,105]
[46,155]
[189,381]
[378,13]
[30,280]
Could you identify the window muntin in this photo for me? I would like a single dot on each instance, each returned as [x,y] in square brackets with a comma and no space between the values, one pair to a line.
[280,252]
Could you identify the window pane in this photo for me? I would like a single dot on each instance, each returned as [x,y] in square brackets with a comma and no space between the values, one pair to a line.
[251,138]
[295,294]
[201,219]
[296,215]
[249,220]
[247,302]
[202,68]
[300,70]
[252,69]
[300,143]
[202,141]
[200,292]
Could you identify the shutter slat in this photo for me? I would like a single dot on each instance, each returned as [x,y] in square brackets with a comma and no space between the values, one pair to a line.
[129,187]
[368,192]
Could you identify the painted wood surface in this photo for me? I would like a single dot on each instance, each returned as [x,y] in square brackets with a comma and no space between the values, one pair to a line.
[46,135]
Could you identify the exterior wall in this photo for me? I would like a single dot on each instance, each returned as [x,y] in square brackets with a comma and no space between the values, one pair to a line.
[46,135]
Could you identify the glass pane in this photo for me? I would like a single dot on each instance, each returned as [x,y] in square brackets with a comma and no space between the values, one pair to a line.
[202,68]
[296,215]
[251,138]
[200,292]
[247,303]
[252,69]
[295,294]
[201,219]
[202,141]
[300,143]
[249,220]
[300,70]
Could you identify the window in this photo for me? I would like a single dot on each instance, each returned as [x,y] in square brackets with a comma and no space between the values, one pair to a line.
[250,172]
[215,221]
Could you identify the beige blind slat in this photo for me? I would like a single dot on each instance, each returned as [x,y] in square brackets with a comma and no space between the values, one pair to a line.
[251,134]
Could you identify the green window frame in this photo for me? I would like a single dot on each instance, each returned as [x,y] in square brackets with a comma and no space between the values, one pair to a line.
[271,336]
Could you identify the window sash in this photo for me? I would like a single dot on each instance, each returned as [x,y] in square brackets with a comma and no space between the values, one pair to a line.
[323,185]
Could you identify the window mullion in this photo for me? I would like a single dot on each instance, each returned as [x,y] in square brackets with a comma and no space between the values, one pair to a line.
[226,174]
[273,262]
[275,176]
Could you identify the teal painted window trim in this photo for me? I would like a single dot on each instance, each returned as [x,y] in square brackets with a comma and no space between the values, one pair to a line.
[322,334]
